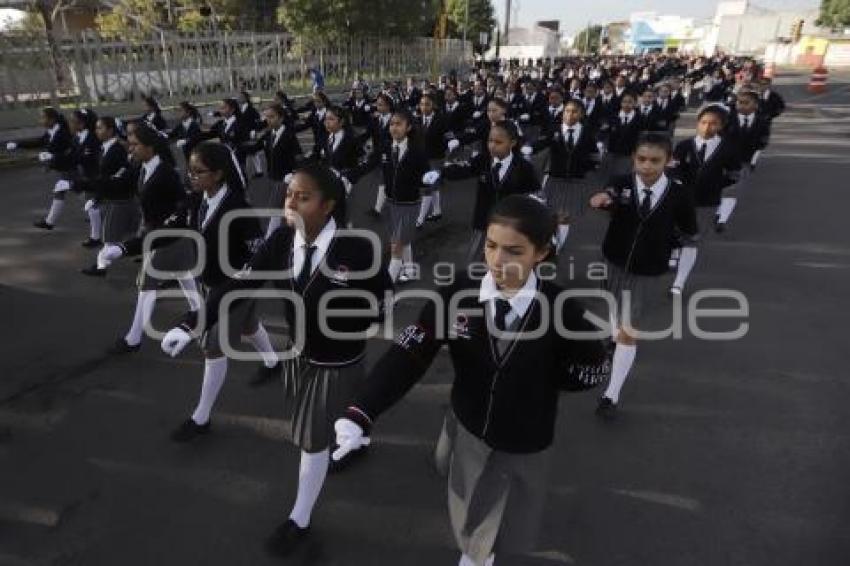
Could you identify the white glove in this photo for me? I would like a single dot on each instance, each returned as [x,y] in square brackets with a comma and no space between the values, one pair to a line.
[524,118]
[453,145]
[755,158]
[181,143]
[61,186]
[174,341]
[45,156]
[347,184]
[474,155]
[367,108]
[90,204]
[11,146]
[431,177]
[211,114]
[349,437]
[253,134]
[477,114]
[287,178]
[527,151]
[601,147]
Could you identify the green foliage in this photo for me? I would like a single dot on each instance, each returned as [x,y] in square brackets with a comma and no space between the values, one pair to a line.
[588,40]
[337,19]
[482,19]
[834,14]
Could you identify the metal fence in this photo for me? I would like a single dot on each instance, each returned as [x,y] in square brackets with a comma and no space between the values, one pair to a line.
[101,72]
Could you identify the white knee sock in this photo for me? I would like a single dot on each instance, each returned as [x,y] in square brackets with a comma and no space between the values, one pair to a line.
[261,342]
[467,561]
[687,260]
[674,257]
[215,370]
[381,198]
[95,223]
[407,256]
[258,163]
[727,205]
[56,207]
[144,309]
[563,232]
[395,268]
[190,289]
[436,202]
[624,358]
[274,224]
[311,477]
[424,208]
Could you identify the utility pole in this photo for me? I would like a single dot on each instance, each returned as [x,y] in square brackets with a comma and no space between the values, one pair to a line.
[507,32]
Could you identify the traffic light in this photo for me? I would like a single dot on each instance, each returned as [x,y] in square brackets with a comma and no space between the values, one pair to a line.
[797,30]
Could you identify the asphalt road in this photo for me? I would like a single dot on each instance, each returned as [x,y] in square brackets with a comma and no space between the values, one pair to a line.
[732,453]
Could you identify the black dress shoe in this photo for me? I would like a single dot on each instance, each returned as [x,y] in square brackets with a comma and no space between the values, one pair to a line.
[93,271]
[434,217]
[189,430]
[373,213]
[122,347]
[348,460]
[606,409]
[266,374]
[167,284]
[258,175]
[719,227]
[286,538]
[43,224]
[92,243]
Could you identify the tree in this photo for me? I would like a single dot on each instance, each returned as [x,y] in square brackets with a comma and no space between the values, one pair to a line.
[47,10]
[482,19]
[336,19]
[834,14]
[588,40]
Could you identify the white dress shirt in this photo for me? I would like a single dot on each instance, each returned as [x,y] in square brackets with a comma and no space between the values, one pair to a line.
[505,165]
[322,243]
[713,144]
[657,189]
[576,128]
[150,166]
[401,147]
[212,205]
[520,302]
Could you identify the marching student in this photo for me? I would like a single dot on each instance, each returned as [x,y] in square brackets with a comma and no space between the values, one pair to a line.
[161,195]
[455,112]
[554,111]
[340,150]
[478,103]
[749,131]
[501,171]
[506,421]
[677,95]
[85,154]
[359,109]
[668,110]
[153,114]
[252,123]
[404,164]
[57,156]
[112,190]
[517,104]
[434,135]
[594,113]
[230,129]
[318,107]
[280,97]
[215,192]
[321,381]
[187,132]
[573,154]
[283,152]
[621,137]
[709,164]
[649,113]
[609,101]
[648,209]
[379,132]
[772,103]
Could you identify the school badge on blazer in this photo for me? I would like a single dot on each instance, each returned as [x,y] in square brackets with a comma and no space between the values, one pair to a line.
[411,337]
[460,328]
[340,276]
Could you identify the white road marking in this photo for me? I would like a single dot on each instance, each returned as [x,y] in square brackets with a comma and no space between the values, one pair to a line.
[668,499]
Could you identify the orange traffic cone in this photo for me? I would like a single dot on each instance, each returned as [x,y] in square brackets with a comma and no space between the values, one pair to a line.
[817,84]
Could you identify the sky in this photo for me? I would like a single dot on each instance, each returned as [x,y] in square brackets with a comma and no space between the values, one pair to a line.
[575,15]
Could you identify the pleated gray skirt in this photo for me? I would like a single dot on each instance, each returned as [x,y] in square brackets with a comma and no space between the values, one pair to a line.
[568,197]
[120,220]
[176,259]
[642,290]
[403,218]
[314,397]
[496,499]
